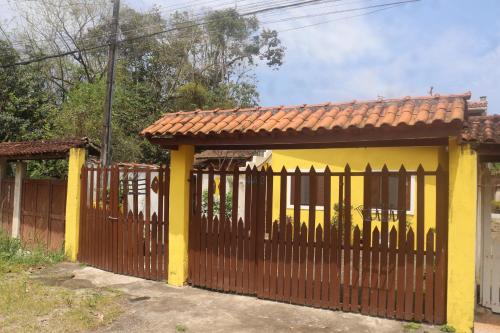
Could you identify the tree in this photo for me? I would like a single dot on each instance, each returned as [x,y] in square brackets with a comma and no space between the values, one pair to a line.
[58,26]
[24,103]
[194,62]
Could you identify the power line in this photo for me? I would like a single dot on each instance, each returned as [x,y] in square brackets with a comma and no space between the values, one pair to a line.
[85,49]
[52,56]
[26,62]
[340,19]
[82,41]
[251,13]
[65,39]
[254,12]
[342,11]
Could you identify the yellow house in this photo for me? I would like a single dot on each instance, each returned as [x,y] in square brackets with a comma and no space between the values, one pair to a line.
[358,158]
[405,168]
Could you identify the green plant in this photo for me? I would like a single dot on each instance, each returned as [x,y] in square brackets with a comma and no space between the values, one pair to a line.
[216,205]
[9,247]
[335,217]
[495,205]
[447,328]
[412,326]
[180,328]
[14,256]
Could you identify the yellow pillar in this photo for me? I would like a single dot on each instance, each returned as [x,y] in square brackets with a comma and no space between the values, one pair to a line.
[462,236]
[181,161]
[76,161]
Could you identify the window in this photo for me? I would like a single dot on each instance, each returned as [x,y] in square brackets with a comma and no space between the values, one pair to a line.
[393,192]
[305,189]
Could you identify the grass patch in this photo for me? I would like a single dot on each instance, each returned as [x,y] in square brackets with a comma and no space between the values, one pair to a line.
[16,258]
[180,328]
[412,326]
[29,305]
[447,328]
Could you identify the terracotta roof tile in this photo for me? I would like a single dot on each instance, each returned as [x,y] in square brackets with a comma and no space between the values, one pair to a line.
[342,118]
[482,129]
[283,122]
[359,116]
[260,121]
[406,115]
[43,148]
[373,115]
[298,120]
[314,115]
[423,112]
[478,108]
[427,110]
[441,109]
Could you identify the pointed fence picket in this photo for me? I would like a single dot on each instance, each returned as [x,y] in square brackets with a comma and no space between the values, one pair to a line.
[119,237]
[269,250]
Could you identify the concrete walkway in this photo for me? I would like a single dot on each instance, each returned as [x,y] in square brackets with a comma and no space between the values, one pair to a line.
[157,307]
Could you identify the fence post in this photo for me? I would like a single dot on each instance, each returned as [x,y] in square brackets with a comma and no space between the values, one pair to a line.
[3,174]
[3,171]
[181,162]
[461,236]
[18,193]
[76,161]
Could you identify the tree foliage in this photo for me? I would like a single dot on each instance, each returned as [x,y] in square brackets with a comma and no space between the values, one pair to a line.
[205,61]
[24,103]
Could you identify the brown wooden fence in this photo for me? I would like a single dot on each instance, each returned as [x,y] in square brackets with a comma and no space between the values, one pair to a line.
[43,212]
[124,226]
[6,204]
[393,272]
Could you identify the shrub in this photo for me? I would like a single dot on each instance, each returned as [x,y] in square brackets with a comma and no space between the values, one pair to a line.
[14,256]
[216,205]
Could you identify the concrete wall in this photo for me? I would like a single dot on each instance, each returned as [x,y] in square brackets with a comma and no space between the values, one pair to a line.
[462,236]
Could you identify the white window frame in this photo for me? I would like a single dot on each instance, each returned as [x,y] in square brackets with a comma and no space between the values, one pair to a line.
[289,204]
[412,196]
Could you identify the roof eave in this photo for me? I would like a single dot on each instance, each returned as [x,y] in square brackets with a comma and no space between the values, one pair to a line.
[419,135]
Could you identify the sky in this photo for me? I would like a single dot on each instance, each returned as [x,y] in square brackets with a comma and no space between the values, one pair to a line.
[451,45]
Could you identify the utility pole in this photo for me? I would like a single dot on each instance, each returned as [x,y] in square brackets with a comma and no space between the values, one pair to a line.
[108,104]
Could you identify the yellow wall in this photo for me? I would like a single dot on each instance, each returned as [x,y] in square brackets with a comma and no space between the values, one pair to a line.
[76,161]
[181,161]
[462,236]
[358,158]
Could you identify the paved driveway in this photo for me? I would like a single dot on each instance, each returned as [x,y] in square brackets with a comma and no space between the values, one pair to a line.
[157,307]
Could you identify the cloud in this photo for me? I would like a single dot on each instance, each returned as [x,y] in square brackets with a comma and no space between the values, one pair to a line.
[370,56]
[335,44]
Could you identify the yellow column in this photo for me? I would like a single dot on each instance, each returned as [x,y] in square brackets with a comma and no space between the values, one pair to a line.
[72,232]
[181,161]
[462,236]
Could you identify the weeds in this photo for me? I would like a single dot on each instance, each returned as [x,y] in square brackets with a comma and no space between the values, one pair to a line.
[14,257]
[412,326]
[180,328]
[29,305]
[448,329]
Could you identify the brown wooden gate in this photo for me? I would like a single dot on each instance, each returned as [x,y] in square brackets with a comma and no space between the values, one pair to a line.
[124,220]
[43,212]
[374,269]
[6,204]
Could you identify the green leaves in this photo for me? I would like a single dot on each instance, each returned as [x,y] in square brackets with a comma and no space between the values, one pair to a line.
[188,66]
[23,99]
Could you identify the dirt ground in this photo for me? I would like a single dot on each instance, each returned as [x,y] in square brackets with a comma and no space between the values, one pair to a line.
[157,307]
